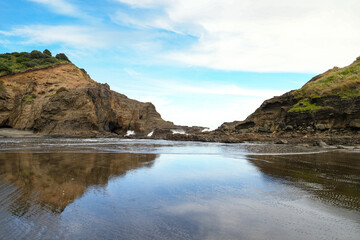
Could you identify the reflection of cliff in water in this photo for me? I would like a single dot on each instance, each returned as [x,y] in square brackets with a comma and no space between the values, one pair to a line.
[332,177]
[56,179]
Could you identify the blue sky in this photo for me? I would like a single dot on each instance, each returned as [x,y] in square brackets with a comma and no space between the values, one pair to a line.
[200,62]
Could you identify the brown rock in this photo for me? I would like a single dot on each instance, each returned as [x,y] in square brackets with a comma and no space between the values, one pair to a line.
[63,100]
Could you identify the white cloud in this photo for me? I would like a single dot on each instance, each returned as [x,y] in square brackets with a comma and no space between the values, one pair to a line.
[78,37]
[149,21]
[260,35]
[209,105]
[61,7]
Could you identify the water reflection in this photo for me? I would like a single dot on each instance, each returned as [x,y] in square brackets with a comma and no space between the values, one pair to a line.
[201,191]
[57,179]
[332,177]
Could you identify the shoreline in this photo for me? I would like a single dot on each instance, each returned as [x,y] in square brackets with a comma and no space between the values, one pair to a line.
[348,141]
[15,133]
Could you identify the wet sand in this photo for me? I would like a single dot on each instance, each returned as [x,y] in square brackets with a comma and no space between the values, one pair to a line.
[14,133]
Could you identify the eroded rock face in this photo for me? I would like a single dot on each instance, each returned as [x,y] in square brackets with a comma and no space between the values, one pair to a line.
[273,116]
[64,100]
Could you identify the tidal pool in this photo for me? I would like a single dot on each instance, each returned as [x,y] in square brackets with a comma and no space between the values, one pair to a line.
[147,189]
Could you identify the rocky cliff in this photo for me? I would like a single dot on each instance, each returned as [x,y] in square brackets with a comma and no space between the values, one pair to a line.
[63,100]
[330,102]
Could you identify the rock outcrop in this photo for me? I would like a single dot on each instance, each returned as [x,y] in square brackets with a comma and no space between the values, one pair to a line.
[330,102]
[326,110]
[63,100]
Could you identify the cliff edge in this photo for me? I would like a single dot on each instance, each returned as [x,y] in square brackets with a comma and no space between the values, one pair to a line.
[325,110]
[329,102]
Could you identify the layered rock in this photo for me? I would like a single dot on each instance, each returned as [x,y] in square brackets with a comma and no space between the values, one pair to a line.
[64,100]
[328,102]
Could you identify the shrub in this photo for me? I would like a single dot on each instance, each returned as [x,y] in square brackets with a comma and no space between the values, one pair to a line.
[22,59]
[62,56]
[36,54]
[5,68]
[32,63]
[46,52]
[49,60]
[25,54]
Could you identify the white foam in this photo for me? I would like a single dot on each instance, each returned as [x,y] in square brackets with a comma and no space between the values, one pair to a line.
[206,130]
[129,133]
[178,131]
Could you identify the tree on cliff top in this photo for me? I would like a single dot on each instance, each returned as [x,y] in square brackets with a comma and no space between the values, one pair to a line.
[47,53]
[62,56]
[36,54]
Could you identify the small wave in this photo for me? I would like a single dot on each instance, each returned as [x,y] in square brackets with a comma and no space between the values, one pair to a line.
[129,133]
[150,134]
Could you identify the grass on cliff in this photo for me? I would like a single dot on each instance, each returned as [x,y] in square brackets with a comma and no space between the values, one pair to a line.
[304,105]
[28,99]
[18,62]
[342,82]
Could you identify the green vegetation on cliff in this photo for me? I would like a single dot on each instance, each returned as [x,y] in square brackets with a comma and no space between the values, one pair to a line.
[338,82]
[342,82]
[18,62]
[304,105]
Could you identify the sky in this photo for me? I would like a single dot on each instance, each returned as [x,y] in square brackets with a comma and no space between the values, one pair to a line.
[200,62]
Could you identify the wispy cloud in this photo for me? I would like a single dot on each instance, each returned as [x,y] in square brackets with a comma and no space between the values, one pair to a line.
[61,7]
[207,88]
[74,36]
[132,72]
[147,21]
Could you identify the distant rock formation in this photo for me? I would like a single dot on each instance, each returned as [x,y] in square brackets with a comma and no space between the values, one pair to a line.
[63,100]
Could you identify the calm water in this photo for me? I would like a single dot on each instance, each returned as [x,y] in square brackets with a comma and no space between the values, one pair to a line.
[145,189]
